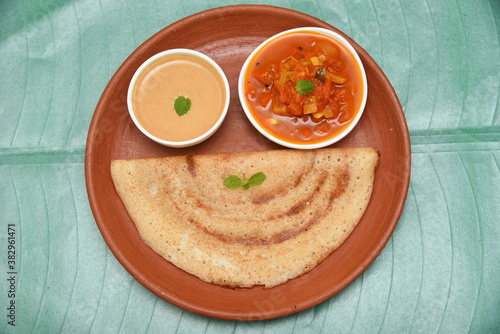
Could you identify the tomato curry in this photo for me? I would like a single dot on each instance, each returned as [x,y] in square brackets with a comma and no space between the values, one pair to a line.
[304,87]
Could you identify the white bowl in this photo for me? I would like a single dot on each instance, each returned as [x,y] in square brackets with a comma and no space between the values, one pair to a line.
[192,141]
[244,102]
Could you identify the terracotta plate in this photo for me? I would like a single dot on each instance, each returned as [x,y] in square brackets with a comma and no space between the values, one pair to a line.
[228,35]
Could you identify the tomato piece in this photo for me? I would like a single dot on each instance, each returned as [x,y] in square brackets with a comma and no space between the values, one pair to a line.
[252,95]
[322,128]
[334,107]
[298,65]
[290,93]
[265,99]
[306,132]
[327,90]
[280,87]
[264,77]
[344,117]
[342,96]
[295,109]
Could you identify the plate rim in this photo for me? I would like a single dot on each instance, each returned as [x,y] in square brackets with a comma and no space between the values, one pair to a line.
[139,276]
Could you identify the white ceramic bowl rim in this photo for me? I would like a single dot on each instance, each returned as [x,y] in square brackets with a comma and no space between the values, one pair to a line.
[243,100]
[189,142]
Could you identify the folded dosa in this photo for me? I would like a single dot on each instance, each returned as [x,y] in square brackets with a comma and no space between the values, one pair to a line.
[306,208]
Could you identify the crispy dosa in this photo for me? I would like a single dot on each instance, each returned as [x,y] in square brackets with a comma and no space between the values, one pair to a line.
[306,208]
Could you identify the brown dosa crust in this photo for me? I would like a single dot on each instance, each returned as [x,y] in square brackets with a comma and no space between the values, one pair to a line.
[306,208]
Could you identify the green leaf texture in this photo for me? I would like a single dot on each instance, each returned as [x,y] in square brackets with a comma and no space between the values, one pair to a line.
[437,274]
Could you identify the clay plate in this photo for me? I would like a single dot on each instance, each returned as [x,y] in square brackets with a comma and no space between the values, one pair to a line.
[228,35]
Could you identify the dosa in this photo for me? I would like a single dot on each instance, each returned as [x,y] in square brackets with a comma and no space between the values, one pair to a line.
[308,205]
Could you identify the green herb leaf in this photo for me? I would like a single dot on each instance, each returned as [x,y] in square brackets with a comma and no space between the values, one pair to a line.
[257,179]
[304,86]
[232,182]
[182,105]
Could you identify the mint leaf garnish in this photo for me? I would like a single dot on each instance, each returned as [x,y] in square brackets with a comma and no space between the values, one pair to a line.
[234,182]
[304,86]
[257,179]
[182,105]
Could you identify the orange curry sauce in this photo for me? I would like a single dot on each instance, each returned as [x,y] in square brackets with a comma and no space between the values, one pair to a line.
[275,101]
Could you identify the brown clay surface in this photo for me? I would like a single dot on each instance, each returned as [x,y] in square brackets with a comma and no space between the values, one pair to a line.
[112,135]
